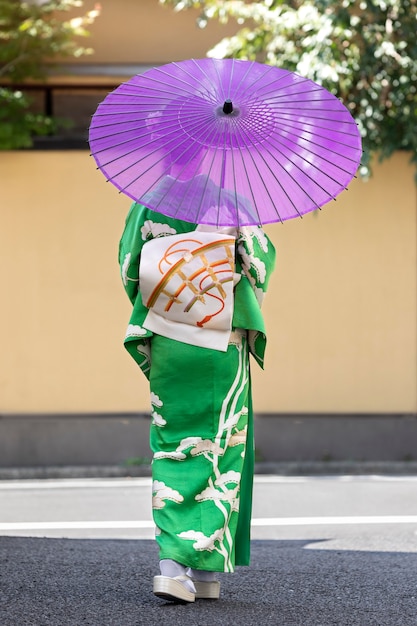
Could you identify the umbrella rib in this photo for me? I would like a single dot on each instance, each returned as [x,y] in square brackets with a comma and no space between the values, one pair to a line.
[186,189]
[190,86]
[172,127]
[341,132]
[191,180]
[222,175]
[246,137]
[242,80]
[232,156]
[236,89]
[143,117]
[164,173]
[277,95]
[232,153]
[150,167]
[125,141]
[342,169]
[209,171]
[275,80]
[123,94]
[268,140]
[223,97]
[326,96]
[295,181]
[294,110]
[348,158]
[270,67]
[168,118]
[312,165]
[221,186]
[125,154]
[161,86]
[301,80]
[121,132]
[150,142]
[296,115]
[250,184]
[204,191]
[200,122]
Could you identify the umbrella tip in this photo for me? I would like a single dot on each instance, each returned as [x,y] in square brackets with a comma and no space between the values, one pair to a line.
[227,106]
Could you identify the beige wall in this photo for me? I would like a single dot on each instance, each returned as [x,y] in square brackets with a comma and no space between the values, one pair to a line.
[143,31]
[341,311]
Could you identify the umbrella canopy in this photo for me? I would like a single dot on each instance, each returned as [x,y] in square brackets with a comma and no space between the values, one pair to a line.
[225,142]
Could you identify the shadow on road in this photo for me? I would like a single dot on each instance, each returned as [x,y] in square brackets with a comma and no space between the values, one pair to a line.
[96,582]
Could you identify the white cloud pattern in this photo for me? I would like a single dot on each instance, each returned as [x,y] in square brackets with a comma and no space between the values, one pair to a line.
[158,420]
[134,330]
[210,493]
[175,455]
[156,229]
[229,477]
[125,268]
[161,492]
[205,446]
[155,400]
[201,541]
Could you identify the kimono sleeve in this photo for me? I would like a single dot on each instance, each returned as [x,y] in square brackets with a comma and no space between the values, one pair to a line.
[255,261]
[141,226]
[257,256]
[130,247]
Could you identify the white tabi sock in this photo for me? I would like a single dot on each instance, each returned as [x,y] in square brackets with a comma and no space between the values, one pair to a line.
[201,575]
[172,568]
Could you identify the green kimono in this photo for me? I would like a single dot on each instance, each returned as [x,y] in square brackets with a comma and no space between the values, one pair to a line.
[202,419]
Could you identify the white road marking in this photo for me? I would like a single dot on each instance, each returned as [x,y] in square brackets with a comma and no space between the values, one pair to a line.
[273,521]
[335,520]
[81,525]
[138,482]
[93,483]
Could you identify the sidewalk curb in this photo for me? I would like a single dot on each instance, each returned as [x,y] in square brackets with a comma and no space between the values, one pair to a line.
[294,468]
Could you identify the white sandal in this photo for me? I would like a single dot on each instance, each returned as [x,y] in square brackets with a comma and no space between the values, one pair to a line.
[173,588]
[207,590]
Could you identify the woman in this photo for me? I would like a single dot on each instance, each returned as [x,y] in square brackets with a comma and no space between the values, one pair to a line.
[196,293]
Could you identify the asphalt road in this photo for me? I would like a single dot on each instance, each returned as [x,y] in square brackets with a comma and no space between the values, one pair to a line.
[326,551]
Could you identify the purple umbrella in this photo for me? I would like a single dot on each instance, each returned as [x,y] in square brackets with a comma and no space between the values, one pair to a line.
[225,142]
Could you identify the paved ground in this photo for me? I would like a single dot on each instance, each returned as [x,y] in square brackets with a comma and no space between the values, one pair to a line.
[326,551]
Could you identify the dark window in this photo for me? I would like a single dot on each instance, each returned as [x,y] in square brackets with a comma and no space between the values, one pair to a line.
[72,106]
[74,100]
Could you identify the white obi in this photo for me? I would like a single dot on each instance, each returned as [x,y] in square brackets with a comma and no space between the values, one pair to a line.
[186,282]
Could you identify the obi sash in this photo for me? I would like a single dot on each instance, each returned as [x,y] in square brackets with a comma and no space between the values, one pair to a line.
[186,282]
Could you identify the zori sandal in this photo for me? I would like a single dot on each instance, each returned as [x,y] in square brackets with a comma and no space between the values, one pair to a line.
[173,588]
[207,590]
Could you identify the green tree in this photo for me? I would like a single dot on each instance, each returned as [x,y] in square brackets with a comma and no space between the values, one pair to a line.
[363,51]
[32,35]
